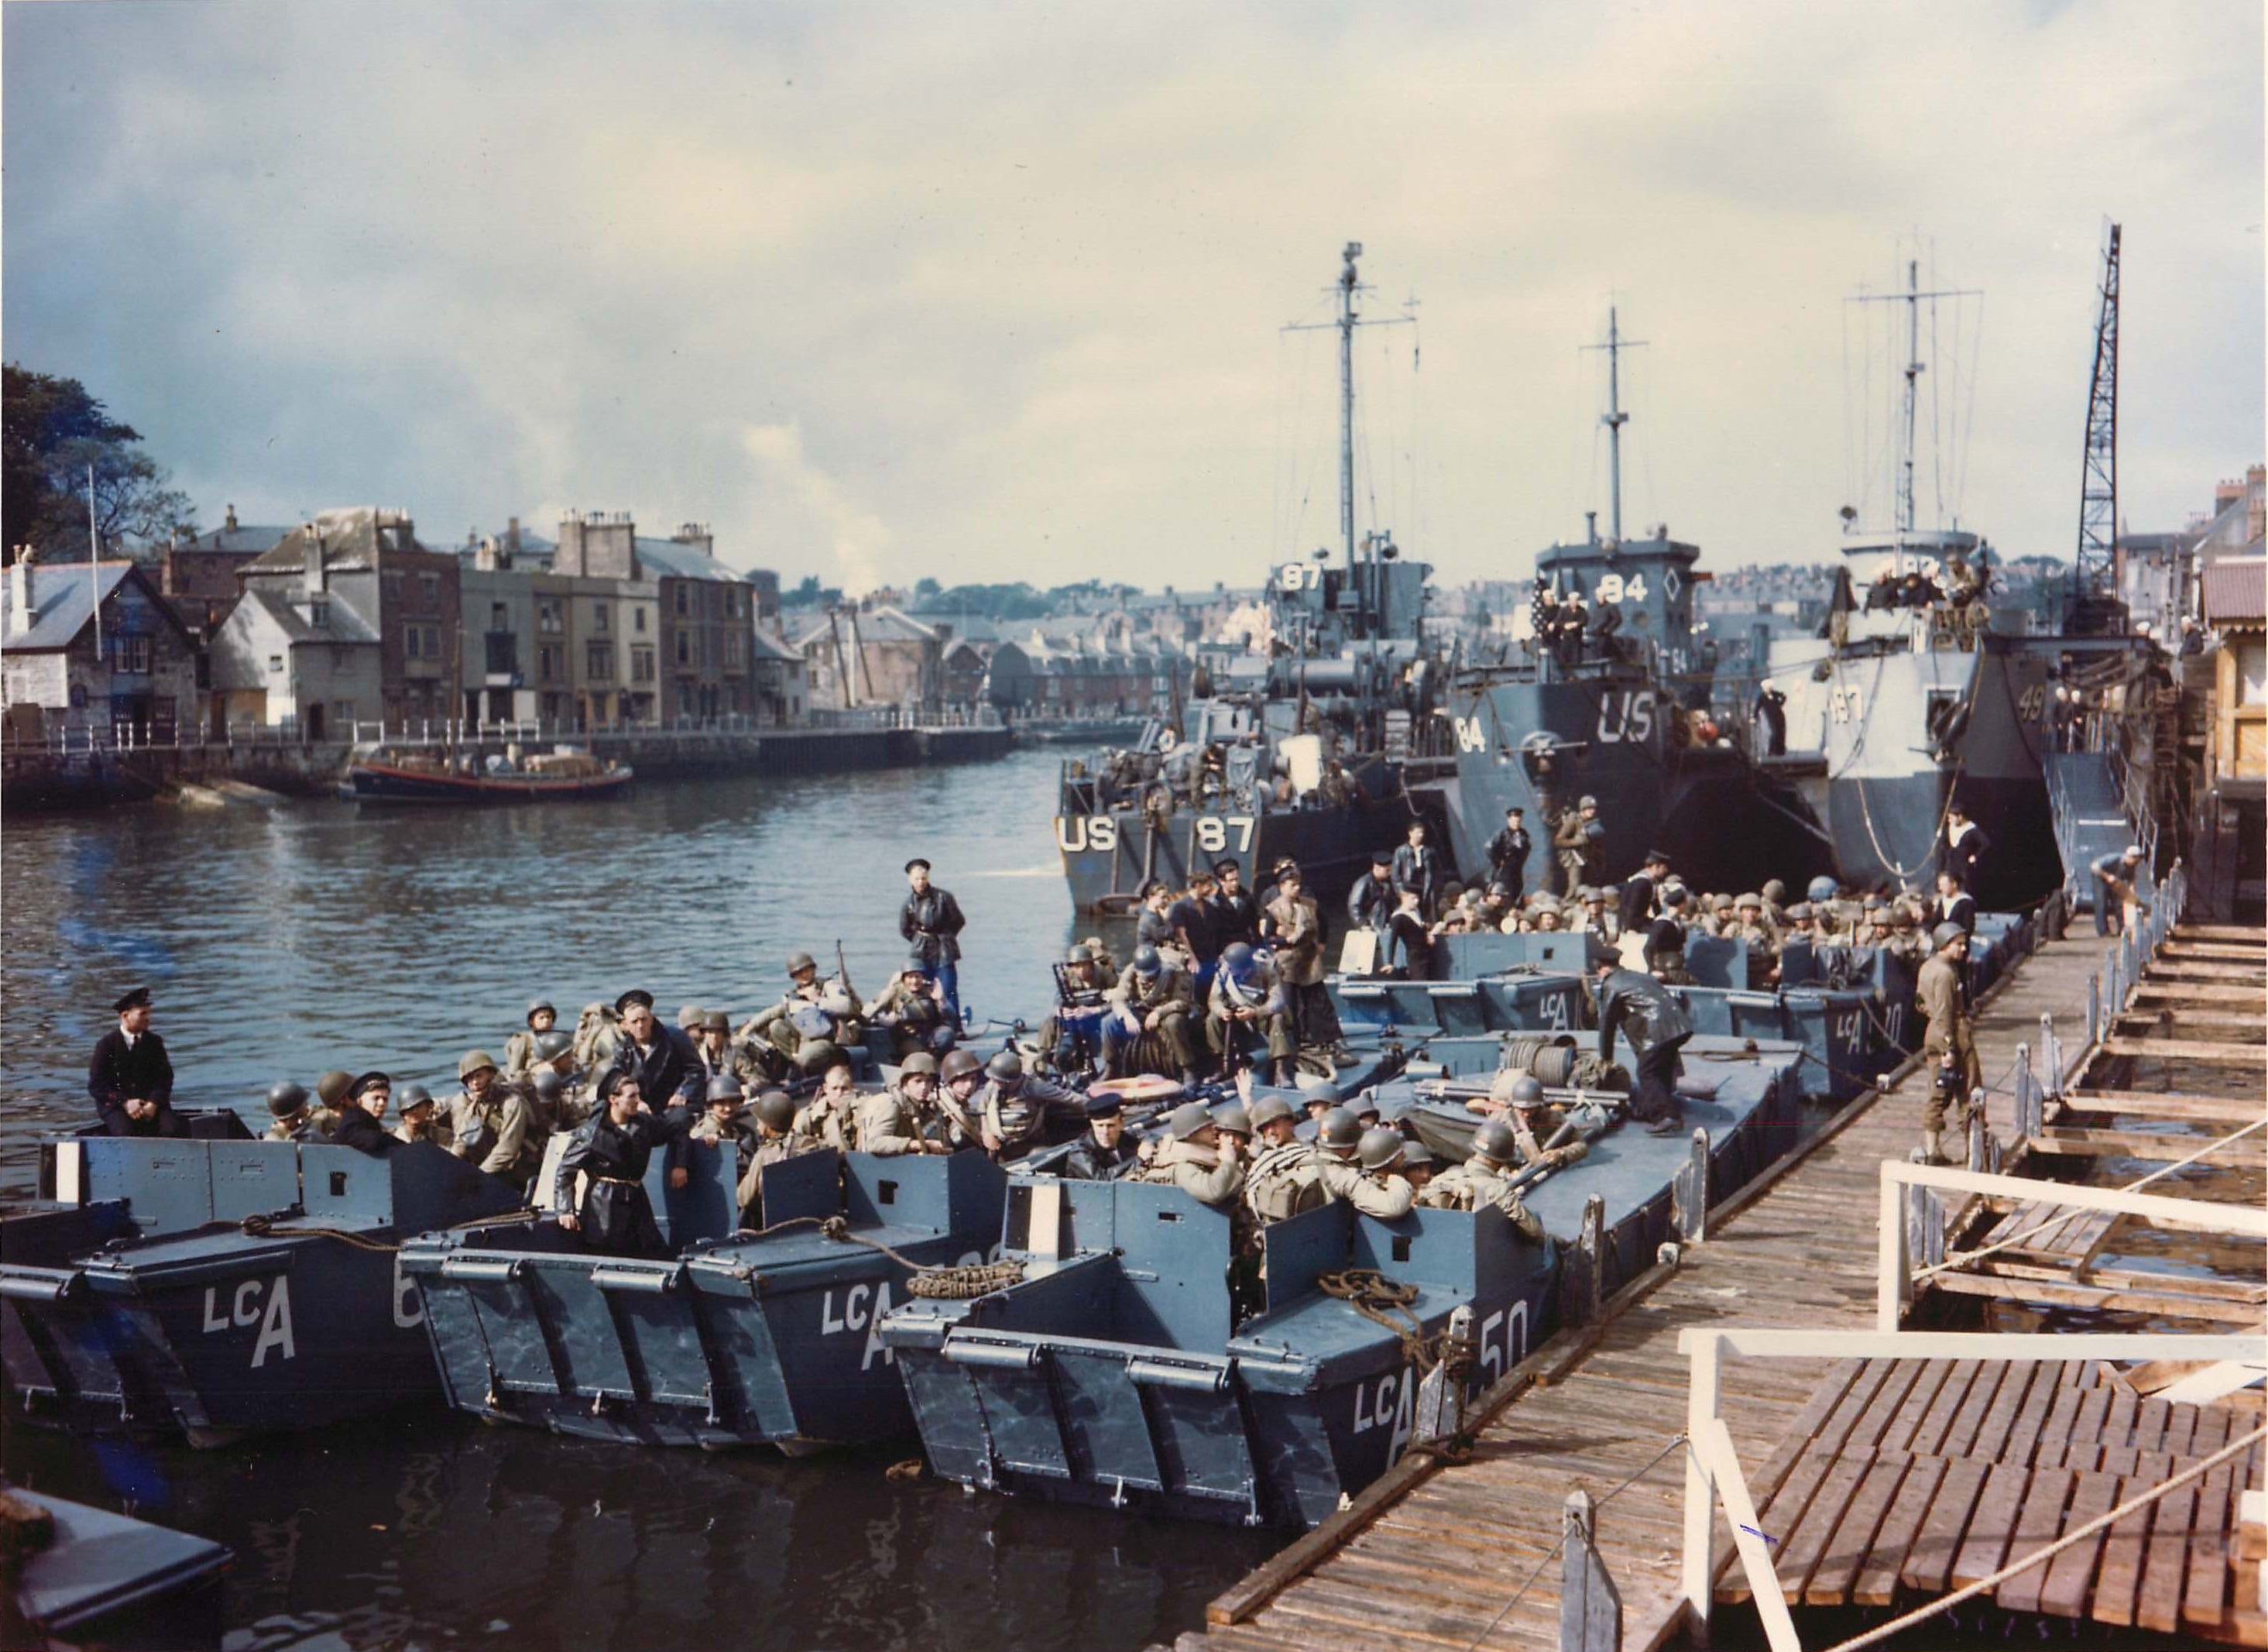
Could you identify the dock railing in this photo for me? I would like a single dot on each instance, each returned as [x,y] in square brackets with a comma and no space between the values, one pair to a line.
[1714,1479]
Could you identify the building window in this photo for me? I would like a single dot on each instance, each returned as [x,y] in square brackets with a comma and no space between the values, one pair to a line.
[429,587]
[393,590]
[638,619]
[342,714]
[275,665]
[130,655]
[680,602]
[499,617]
[641,665]
[685,699]
[598,662]
[684,648]
[732,641]
[504,654]
[601,617]
[546,616]
[547,662]
[421,642]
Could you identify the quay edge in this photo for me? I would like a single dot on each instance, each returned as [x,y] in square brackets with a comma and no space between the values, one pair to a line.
[36,780]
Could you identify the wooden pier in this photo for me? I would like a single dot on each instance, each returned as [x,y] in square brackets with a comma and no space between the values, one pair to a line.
[1462,1555]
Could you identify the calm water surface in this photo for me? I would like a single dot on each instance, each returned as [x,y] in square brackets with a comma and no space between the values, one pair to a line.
[282,942]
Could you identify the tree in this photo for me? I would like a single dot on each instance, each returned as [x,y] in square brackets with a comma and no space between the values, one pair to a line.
[55,433]
[925,586]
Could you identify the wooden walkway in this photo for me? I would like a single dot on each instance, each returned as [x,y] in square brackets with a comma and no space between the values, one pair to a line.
[1440,1565]
[1933,1474]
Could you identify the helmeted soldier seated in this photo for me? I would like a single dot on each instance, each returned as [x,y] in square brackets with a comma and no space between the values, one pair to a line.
[775,1139]
[1196,1158]
[905,1116]
[296,1115]
[492,1123]
[422,1118]
[723,1120]
[1485,1180]
[1250,1013]
[1072,1037]
[1148,1029]
[1018,1111]
[520,1048]
[813,1022]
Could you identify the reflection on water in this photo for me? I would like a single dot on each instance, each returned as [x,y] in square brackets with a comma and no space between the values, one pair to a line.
[433,1528]
[315,936]
[281,942]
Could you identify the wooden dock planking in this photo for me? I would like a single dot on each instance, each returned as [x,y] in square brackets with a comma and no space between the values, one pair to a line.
[1902,1508]
[2202,1109]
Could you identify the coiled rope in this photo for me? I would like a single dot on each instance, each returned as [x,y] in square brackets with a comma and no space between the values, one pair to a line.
[952,1281]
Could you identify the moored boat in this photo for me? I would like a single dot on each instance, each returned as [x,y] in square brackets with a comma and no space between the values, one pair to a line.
[565,774]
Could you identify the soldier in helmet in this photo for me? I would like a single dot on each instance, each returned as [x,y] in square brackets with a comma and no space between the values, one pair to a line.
[1018,1111]
[912,1008]
[1485,1180]
[1418,1165]
[520,1048]
[1360,1166]
[1750,929]
[812,1021]
[1248,1003]
[1284,1179]
[421,1118]
[1072,1037]
[830,1118]
[724,1119]
[904,1118]
[1198,1159]
[775,1139]
[720,1055]
[558,1104]
[296,1117]
[1104,1154]
[1148,1029]
[1948,1044]
[492,1123]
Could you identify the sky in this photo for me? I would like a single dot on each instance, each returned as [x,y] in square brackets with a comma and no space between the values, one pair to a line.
[999,292]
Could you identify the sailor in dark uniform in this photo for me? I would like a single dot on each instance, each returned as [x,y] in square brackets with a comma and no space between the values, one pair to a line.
[1965,845]
[611,1151]
[361,1121]
[1638,905]
[1104,1154]
[130,1076]
[1507,854]
[1642,1010]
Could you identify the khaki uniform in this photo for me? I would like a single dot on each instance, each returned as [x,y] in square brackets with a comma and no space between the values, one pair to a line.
[518,1054]
[1282,1182]
[1385,1194]
[767,1150]
[894,1122]
[1580,860]
[436,1131]
[1937,992]
[319,1121]
[499,1132]
[1476,1184]
[1200,1172]
[1168,1000]
[1263,992]
[829,1122]
[776,1027]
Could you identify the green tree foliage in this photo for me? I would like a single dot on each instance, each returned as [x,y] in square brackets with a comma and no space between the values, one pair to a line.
[54,433]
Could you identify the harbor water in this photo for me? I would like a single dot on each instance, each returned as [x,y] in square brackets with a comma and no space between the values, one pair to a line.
[282,942]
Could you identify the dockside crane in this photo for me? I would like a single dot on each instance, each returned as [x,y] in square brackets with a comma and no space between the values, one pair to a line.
[2095,607]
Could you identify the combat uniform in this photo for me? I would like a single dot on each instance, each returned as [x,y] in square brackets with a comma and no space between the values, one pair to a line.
[1260,991]
[1479,1184]
[1284,1181]
[830,1121]
[1937,991]
[1166,1048]
[1201,1172]
[894,1122]
[1374,1192]
[1020,1117]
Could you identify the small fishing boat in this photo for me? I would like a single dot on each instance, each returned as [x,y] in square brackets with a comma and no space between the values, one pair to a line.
[565,773]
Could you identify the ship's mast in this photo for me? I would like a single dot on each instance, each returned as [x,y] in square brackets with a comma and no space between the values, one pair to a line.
[1614,418]
[1910,402]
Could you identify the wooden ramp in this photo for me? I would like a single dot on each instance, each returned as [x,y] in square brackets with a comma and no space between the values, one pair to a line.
[1456,1557]
[1930,1475]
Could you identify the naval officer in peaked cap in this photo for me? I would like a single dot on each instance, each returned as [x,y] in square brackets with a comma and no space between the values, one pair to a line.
[130,1076]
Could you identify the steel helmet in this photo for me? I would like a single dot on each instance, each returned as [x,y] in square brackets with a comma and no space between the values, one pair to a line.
[724,1087]
[1323,1090]
[412,1096]
[1339,1133]
[1005,1068]
[798,962]
[1945,934]
[1747,901]
[472,1061]
[1237,960]
[689,1017]
[1266,1110]
[957,1064]
[1494,1141]
[1080,953]
[920,1063]
[1415,1154]
[541,1005]
[1800,913]
[1588,802]
[1821,887]
[1674,896]
[552,1045]
[1518,1089]
[715,1020]
[1775,891]
[1189,1118]
[548,1082]
[1147,964]
[1232,1120]
[776,1109]
[334,1085]
[285,1098]
[1380,1150]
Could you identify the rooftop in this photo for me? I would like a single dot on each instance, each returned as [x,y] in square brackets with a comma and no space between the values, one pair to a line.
[62,598]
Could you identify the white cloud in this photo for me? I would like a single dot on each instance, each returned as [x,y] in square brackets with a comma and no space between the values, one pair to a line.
[789,485]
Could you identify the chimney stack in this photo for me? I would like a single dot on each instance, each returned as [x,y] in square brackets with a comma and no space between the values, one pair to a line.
[311,563]
[231,524]
[19,590]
